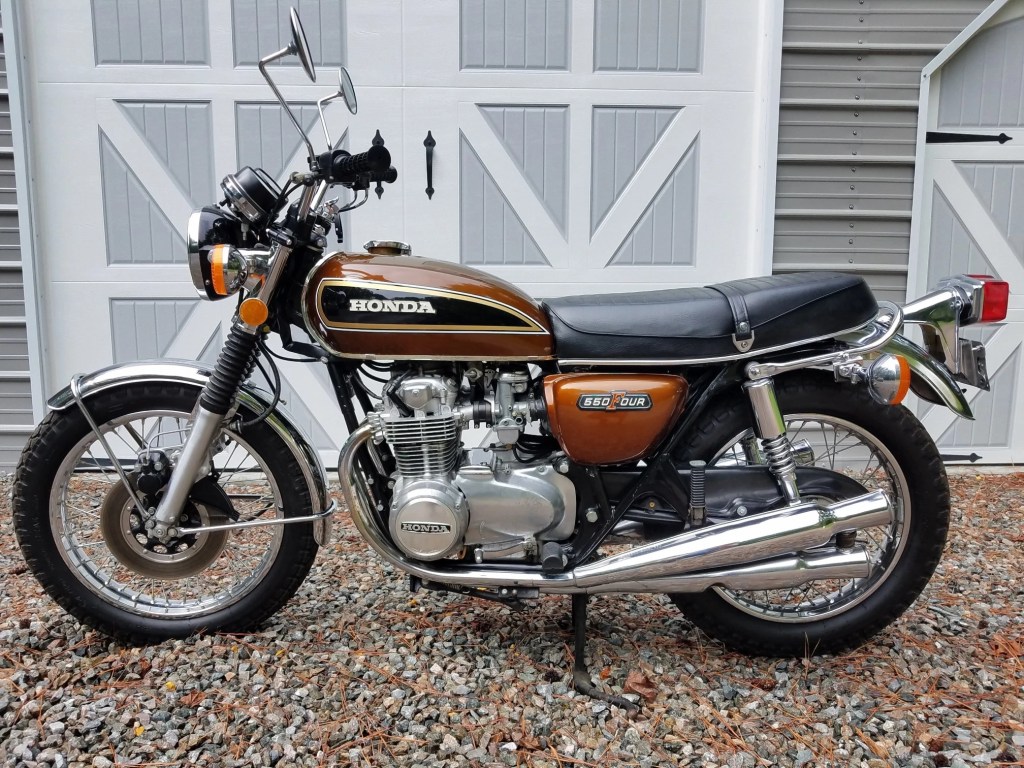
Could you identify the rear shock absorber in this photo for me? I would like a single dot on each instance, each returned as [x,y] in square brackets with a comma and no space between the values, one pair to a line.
[771,430]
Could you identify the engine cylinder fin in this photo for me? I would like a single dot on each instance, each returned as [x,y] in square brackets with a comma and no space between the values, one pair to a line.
[427,445]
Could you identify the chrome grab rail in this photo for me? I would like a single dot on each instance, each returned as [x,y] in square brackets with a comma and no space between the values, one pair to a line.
[875,338]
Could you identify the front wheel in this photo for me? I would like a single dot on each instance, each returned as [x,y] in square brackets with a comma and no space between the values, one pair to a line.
[883,448]
[85,541]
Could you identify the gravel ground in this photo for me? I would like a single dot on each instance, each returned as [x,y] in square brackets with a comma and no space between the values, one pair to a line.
[356,671]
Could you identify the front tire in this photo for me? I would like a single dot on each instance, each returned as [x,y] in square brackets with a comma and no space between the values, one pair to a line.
[883,447]
[83,539]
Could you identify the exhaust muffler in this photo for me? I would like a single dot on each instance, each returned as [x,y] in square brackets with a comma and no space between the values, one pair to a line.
[756,552]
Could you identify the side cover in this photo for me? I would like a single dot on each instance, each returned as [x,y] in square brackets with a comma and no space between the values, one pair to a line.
[601,418]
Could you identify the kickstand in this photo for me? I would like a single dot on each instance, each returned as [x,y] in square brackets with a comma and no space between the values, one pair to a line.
[580,677]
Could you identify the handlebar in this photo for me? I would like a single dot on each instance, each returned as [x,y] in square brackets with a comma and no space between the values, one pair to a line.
[344,167]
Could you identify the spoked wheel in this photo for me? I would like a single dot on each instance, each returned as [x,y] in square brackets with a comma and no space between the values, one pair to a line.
[882,448]
[87,542]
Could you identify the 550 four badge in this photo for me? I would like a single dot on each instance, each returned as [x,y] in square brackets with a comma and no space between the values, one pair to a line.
[614,401]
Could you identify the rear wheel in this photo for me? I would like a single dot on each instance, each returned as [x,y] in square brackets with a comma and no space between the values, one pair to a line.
[87,543]
[883,448]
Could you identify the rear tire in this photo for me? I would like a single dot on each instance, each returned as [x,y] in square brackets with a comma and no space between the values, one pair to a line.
[901,458]
[81,537]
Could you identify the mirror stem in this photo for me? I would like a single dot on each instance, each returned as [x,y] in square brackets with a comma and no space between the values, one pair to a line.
[263,71]
[323,120]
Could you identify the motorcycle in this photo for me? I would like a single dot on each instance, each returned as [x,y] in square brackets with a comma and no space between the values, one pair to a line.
[742,446]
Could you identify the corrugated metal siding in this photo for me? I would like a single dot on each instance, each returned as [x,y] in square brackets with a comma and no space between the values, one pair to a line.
[15,388]
[851,71]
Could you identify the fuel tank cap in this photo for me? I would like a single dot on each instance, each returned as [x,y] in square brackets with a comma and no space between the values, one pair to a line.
[388,248]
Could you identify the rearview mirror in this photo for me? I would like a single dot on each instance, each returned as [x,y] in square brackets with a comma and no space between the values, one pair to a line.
[300,46]
[347,90]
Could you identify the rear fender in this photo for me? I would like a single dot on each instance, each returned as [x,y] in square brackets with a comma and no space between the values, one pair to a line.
[930,379]
[193,374]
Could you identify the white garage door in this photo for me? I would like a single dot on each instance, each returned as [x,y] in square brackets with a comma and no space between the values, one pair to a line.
[580,147]
[969,217]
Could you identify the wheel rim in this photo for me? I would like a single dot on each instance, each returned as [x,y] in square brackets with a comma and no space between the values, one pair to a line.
[89,509]
[842,446]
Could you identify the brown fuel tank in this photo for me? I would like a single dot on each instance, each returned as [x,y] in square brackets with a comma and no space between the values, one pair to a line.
[392,307]
[601,418]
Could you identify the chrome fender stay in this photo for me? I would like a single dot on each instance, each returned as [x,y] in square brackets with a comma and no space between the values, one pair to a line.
[932,373]
[195,374]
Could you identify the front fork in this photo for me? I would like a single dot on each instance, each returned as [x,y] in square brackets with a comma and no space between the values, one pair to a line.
[770,428]
[233,367]
[218,396]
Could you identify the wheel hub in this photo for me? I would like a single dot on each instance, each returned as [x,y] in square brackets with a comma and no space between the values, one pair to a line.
[125,534]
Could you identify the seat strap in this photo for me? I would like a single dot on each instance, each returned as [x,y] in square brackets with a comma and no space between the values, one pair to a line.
[743,336]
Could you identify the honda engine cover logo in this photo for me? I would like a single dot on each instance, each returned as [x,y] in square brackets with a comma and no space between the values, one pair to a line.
[416,527]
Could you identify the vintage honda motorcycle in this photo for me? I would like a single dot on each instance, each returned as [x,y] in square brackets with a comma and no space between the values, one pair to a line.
[740,447]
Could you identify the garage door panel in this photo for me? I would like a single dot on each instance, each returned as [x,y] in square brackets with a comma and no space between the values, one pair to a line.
[137,230]
[145,328]
[983,86]
[181,135]
[999,187]
[623,137]
[537,139]
[666,232]
[648,36]
[994,412]
[128,33]
[492,232]
[514,34]
[266,138]
[952,250]
[263,26]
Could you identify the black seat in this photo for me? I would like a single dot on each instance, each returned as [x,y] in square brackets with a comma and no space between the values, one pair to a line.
[687,323]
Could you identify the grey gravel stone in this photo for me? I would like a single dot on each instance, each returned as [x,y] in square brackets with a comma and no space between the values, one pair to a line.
[355,670]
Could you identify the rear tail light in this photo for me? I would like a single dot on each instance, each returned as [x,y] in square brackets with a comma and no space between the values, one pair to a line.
[996,297]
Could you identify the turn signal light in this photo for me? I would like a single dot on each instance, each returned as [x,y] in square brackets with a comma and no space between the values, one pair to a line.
[996,298]
[888,379]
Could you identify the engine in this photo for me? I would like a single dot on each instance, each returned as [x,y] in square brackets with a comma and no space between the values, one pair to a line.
[492,503]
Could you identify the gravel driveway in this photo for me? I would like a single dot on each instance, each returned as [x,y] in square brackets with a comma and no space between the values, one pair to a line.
[357,671]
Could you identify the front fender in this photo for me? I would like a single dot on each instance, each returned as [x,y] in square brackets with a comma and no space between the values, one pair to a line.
[195,374]
[930,375]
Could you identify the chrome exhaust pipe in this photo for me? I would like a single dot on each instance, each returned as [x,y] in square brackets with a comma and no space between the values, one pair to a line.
[738,542]
[780,573]
[730,552]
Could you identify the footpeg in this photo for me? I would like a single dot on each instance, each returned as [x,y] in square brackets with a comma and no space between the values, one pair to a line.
[552,559]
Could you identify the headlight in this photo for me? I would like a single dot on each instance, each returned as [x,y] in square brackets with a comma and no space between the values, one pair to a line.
[217,266]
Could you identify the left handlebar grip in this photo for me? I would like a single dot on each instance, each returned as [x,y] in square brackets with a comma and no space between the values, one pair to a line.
[374,160]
